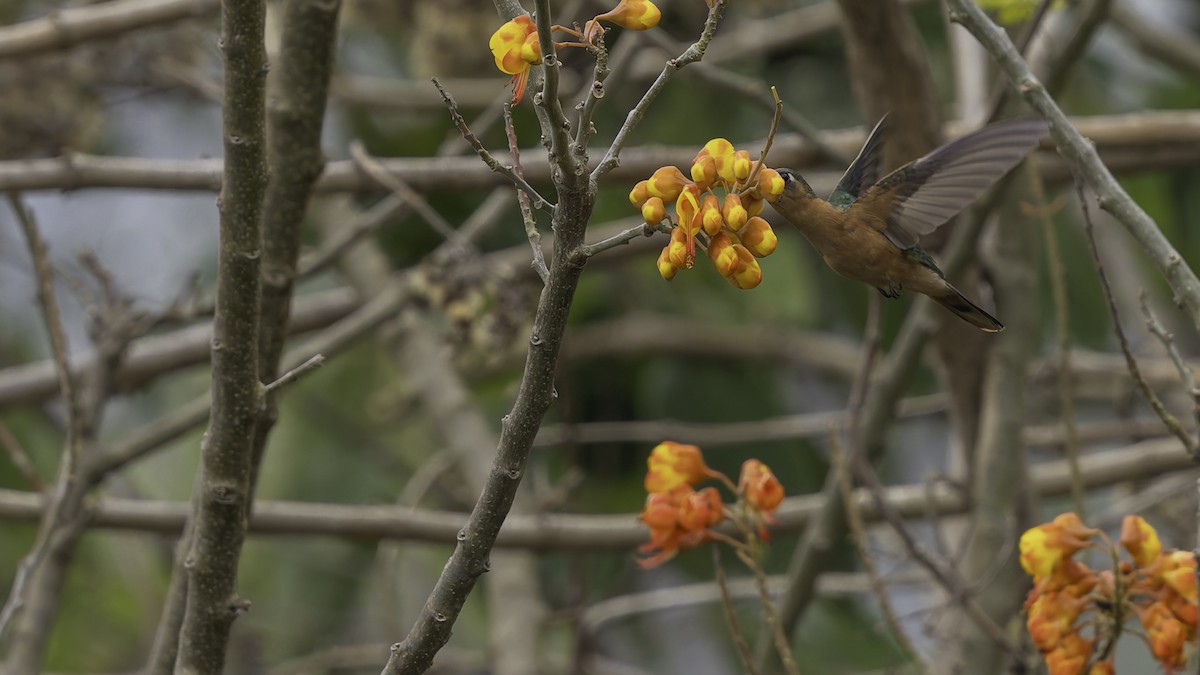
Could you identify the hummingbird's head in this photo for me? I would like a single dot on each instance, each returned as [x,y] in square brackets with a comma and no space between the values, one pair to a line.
[794,184]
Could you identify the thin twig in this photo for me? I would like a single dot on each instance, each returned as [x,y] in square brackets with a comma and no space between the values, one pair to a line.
[1185,372]
[1169,421]
[531,230]
[397,185]
[782,648]
[1081,155]
[20,458]
[1062,325]
[539,202]
[859,532]
[693,53]
[294,374]
[619,239]
[946,576]
[739,638]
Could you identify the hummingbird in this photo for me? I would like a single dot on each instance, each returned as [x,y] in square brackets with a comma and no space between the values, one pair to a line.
[869,227]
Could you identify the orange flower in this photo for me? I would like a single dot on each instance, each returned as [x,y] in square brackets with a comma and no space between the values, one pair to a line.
[1140,540]
[701,510]
[1103,668]
[1045,546]
[515,47]
[660,515]
[1070,657]
[1179,572]
[672,465]
[759,486]
[1052,617]
[633,14]
[1166,634]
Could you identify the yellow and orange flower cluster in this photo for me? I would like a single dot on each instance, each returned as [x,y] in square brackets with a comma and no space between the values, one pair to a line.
[515,44]
[736,235]
[1158,586]
[679,516]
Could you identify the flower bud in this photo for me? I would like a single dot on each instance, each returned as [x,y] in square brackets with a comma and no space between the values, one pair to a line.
[721,151]
[639,194]
[711,219]
[633,14]
[677,249]
[735,214]
[754,205]
[666,183]
[666,269]
[741,165]
[770,184]
[758,237]
[704,171]
[653,211]
[748,274]
[722,253]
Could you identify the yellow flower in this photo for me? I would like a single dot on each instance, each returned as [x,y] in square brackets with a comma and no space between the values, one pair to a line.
[735,214]
[770,184]
[653,211]
[1141,540]
[515,47]
[710,216]
[677,250]
[748,274]
[672,465]
[722,253]
[666,269]
[721,152]
[758,236]
[1179,572]
[704,172]
[741,164]
[633,14]
[1045,546]
[640,193]
[760,486]
[666,183]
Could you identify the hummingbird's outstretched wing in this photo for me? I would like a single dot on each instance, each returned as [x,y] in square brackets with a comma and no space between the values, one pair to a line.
[918,197]
[863,171]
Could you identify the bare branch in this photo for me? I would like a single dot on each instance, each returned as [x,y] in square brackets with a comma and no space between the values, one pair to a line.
[1083,158]
[223,491]
[691,55]
[531,231]
[539,202]
[1169,421]
[579,532]
[68,27]
[402,189]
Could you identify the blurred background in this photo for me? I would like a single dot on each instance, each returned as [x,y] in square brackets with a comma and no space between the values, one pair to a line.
[761,373]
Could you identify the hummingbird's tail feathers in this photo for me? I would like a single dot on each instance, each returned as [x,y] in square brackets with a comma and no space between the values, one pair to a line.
[968,311]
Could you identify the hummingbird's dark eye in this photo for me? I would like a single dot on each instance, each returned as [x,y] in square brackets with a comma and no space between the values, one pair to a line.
[787,175]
